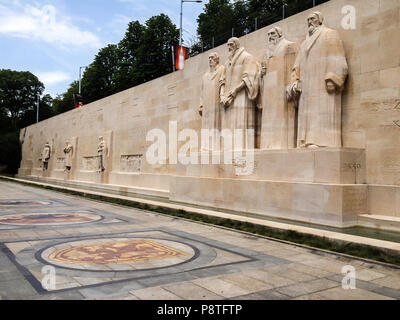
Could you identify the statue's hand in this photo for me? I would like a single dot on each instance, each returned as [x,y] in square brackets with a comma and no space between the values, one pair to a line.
[228,101]
[224,100]
[330,86]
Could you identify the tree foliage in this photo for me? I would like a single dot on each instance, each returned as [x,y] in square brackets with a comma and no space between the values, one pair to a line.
[65,102]
[222,17]
[142,55]
[155,51]
[99,78]
[18,95]
[18,102]
[128,74]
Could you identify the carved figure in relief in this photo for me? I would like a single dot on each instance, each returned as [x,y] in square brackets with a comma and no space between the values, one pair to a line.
[45,156]
[318,76]
[101,152]
[210,104]
[68,152]
[240,87]
[278,123]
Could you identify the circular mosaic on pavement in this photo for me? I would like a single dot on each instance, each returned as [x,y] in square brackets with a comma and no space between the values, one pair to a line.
[121,254]
[49,218]
[9,203]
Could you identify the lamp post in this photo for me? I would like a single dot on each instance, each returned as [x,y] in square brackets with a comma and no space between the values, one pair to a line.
[180,30]
[80,79]
[283,10]
[37,108]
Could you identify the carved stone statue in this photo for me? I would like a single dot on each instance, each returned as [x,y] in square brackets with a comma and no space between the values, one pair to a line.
[210,100]
[45,156]
[68,152]
[319,73]
[210,104]
[101,151]
[240,87]
[278,115]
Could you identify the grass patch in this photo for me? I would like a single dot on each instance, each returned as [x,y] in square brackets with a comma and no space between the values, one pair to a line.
[353,249]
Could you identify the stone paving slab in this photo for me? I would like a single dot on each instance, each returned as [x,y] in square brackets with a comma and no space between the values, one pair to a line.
[307,287]
[189,290]
[224,264]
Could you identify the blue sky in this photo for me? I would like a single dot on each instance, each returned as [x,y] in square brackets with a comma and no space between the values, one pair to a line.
[53,38]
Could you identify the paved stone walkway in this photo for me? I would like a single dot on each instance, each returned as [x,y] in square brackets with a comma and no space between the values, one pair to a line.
[55,246]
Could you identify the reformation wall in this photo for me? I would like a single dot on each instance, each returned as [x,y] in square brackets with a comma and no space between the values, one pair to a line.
[317,97]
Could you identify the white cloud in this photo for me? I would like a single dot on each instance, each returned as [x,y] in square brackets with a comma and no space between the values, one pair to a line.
[52,78]
[44,24]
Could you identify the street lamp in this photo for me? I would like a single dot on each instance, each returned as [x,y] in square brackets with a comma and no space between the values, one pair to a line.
[283,9]
[37,107]
[80,78]
[180,30]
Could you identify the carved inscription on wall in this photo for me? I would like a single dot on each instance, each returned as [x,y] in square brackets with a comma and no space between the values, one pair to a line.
[60,163]
[90,163]
[354,200]
[131,163]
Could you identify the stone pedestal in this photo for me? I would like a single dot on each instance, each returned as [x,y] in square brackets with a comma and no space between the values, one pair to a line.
[321,186]
[342,166]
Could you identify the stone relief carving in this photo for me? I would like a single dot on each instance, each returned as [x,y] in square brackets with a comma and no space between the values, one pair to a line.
[68,152]
[278,123]
[240,87]
[321,70]
[101,151]
[210,98]
[45,156]
[90,163]
[210,94]
[60,163]
[131,163]
[291,117]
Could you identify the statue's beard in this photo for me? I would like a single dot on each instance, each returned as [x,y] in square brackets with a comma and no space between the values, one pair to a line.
[274,41]
[312,28]
[231,53]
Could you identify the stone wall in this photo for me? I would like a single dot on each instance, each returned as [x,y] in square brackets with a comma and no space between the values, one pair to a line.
[371,107]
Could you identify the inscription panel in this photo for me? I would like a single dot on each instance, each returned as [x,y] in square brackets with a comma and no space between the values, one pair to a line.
[60,163]
[131,163]
[354,200]
[90,163]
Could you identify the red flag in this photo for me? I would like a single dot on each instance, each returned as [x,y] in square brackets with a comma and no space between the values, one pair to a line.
[78,100]
[181,54]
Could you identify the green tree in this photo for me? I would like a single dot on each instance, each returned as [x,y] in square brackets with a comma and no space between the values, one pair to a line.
[266,11]
[18,98]
[128,74]
[216,22]
[65,102]
[18,94]
[45,112]
[145,53]
[98,81]
[155,51]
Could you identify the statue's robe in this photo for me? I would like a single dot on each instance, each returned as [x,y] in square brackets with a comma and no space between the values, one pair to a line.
[210,99]
[321,58]
[68,150]
[278,124]
[241,113]
[46,154]
[101,150]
